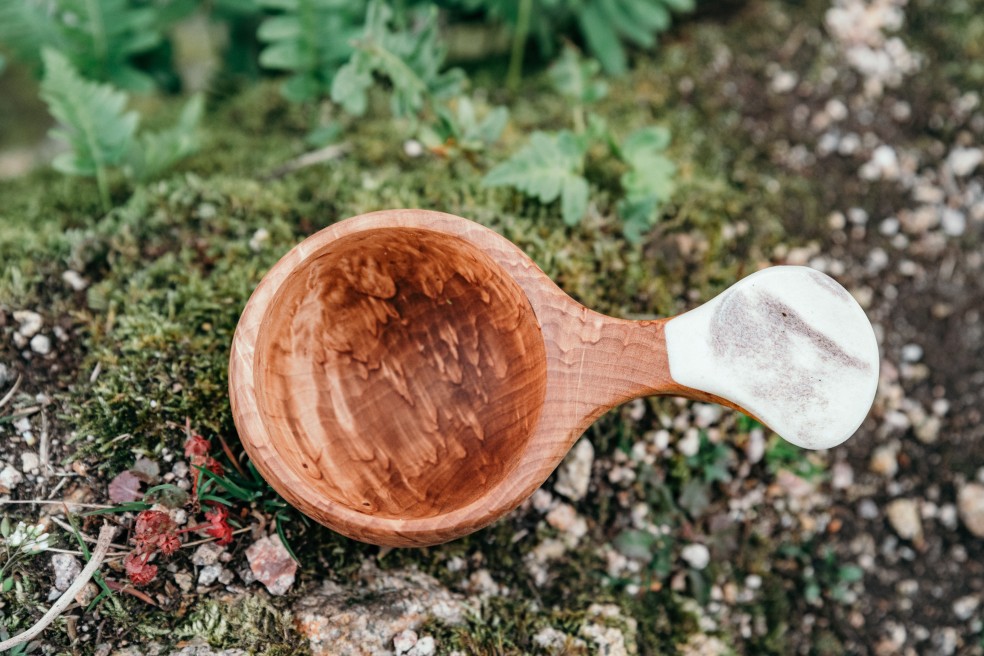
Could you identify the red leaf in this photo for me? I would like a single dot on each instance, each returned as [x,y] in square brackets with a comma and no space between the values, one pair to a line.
[124,488]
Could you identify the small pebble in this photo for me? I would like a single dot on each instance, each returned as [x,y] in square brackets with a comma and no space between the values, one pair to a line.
[30,462]
[970,504]
[696,555]
[963,161]
[30,323]
[912,353]
[66,568]
[425,647]
[413,148]
[964,607]
[884,460]
[953,222]
[404,641]
[10,478]
[41,344]
[74,280]
[690,444]
[903,515]
[209,574]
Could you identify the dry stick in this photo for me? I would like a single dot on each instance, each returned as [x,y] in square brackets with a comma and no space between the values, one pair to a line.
[56,502]
[13,390]
[86,538]
[105,537]
[326,154]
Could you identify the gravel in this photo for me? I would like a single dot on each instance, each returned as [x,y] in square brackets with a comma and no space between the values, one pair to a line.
[970,504]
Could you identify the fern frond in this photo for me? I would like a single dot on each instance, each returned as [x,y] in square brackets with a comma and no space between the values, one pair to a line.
[102,35]
[547,168]
[311,39]
[649,182]
[155,152]
[91,117]
[410,59]
[606,23]
[28,25]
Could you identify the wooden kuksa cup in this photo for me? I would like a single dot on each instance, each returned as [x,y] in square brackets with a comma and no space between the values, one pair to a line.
[407,377]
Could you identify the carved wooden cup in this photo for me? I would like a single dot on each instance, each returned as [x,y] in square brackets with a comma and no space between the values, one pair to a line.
[406,377]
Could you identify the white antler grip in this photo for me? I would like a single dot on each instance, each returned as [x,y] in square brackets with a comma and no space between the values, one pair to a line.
[789,345]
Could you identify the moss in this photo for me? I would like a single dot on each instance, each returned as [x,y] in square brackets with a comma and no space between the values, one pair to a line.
[251,623]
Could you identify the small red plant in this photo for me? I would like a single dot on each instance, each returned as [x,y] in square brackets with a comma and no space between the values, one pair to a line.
[155,531]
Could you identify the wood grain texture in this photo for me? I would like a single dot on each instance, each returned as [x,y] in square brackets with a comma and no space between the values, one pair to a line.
[394,417]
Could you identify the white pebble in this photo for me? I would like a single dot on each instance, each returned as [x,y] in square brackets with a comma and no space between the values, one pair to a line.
[10,477]
[30,462]
[912,353]
[30,322]
[41,344]
[964,607]
[836,109]
[690,444]
[953,222]
[74,280]
[404,641]
[963,161]
[413,148]
[696,555]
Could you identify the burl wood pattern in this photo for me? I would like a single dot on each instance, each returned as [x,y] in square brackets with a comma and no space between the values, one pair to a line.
[320,402]
[401,372]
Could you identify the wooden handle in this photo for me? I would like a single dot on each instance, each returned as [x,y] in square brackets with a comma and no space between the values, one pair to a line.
[787,345]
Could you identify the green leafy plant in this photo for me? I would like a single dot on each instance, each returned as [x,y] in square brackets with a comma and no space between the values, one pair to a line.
[310,39]
[99,37]
[102,135]
[18,542]
[409,59]
[552,165]
[461,130]
[549,167]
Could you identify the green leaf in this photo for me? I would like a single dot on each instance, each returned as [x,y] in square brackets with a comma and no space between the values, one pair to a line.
[574,200]
[410,59]
[350,87]
[601,38]
[91,118]
[311,38]
[8,584]
[547,168]
[649,182]
[643,142]
[170,496]
[155,152]
[850,574]
[634,544]
[576,78]
[5,527]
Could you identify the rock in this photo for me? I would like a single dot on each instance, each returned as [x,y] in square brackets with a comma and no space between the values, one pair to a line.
[41,344]
[574,473]
[198,647]
[74,280]
[425,647]
[209,574]
[184,580]
[903,515]
[964,607]
[928,431]
[272,564]
[10,478]
[963,161]
[912,353]
[404,641]
[884,460]
[206,554]
[556,643]
[363,617]
[542,500]
[970,505]
[690,444]
[696,555]
[30,323]
[842,476]
[6,375]
[30,463]
[66,568]
[953,222]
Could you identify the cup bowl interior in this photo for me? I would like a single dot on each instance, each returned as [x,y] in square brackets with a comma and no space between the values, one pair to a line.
[399,372]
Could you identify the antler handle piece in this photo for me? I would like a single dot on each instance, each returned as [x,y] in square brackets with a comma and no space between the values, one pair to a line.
[789,345]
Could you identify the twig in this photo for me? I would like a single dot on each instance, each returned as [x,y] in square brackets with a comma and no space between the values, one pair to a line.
[204,540]
[43,455]
[88,538]
[13,390]
[102,546]
[56,502]
[326,154]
